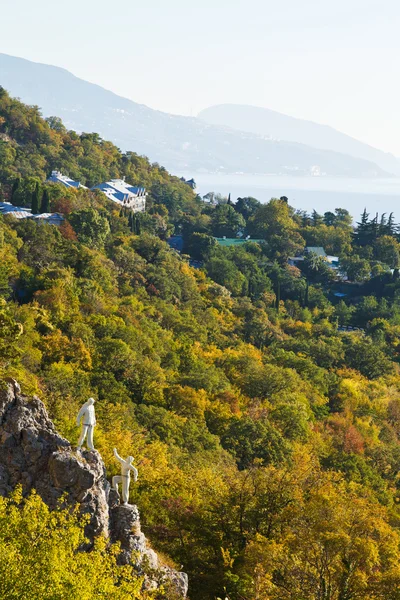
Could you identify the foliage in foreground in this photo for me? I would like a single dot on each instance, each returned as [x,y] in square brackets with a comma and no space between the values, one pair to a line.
[40,557]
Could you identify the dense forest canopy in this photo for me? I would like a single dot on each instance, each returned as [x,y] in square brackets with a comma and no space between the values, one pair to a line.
[267,434]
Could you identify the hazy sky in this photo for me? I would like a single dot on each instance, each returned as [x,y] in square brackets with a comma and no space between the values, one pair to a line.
[331,61]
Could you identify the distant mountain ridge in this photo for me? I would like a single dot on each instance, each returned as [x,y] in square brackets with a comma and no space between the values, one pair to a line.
[181,144]
[267,122]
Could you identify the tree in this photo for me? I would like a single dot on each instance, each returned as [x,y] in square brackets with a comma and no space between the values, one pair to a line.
[329,219]
[343,218]
[367,357]
[43,560]
[316,269]
[90,227]
[316,219]
[274,223]
[225,272]
[45,206]
[344,313]
[200,245]
[366,231]
[225,221]
[249,440]
[35,200]
[247,206]
[357,269]
[387,250]
[14,190]
[10,331]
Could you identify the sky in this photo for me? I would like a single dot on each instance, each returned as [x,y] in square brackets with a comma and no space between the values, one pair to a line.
[331,61]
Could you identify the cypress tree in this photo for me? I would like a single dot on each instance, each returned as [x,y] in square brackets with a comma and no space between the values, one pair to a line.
[14,191]
[35,200]
[45,207]
[137,225]
[306,294]
[278,295]
[363,231]
[391,226]
[382,225]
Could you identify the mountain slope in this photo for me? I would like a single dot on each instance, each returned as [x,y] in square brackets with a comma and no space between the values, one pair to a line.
[279,126]
[179,143]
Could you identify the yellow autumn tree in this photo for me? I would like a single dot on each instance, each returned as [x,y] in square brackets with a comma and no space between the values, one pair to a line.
[40,556]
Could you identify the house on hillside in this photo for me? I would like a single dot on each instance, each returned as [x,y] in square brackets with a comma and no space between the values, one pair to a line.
[227,242]
[124,194]
[49,218]
[333,261]
[58,177]
[19,212]
[190,182]
[318,250]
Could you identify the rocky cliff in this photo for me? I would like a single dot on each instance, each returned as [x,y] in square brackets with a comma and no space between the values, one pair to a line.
[34,455]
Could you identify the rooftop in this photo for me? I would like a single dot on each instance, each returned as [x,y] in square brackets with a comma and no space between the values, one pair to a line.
[58,177]
[318,250]
[235,241]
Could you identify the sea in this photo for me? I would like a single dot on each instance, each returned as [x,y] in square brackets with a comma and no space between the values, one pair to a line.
[308,193]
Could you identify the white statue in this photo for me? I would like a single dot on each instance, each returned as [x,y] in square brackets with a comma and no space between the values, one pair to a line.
[88,418]
[125,477]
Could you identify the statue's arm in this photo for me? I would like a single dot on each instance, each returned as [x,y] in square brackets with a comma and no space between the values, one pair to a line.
[135,472]
[80,415]
[117,456]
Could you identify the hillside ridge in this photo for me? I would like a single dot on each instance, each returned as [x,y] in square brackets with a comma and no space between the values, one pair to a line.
[181,144]
[265,121]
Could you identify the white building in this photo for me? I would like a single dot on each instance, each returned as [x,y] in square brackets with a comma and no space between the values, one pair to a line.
[19,212]
[124,194]
[49,218]
[57,177]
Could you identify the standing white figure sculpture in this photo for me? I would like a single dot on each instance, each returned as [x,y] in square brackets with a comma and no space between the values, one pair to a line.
[88,418]
[125,477]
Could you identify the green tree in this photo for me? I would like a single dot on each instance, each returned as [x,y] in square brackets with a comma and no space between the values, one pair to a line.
[90,226]
[250,440]
[274,223]
[35,200]
[225,221]
[247,206]
[367,357]
[387,250]
[42,559]
[14,190]
[45,205]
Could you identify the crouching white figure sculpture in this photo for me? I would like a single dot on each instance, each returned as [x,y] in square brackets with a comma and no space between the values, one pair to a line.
[125,477]
[88,418]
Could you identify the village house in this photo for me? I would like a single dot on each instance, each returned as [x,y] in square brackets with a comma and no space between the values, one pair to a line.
[124,194]
[190,182]
[57,177]
[49,218]
[18,212]
[333,261]
[116,190]
[21,212]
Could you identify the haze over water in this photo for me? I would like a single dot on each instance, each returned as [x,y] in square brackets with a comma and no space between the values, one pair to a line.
[307,193]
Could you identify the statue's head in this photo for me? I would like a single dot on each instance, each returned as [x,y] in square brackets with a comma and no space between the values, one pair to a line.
[90,401]
[130,459]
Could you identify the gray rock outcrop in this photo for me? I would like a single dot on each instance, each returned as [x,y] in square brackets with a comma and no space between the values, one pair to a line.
[35,456]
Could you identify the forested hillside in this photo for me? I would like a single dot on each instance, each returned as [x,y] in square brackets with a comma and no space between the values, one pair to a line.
[267,439]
